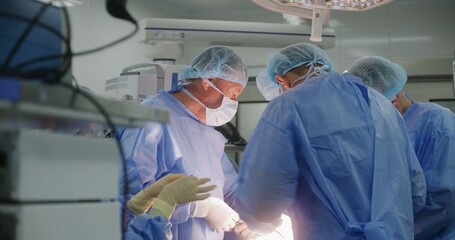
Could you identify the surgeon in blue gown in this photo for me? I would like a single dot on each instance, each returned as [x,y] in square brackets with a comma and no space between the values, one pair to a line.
[431,129]
[330,152]
[189,143]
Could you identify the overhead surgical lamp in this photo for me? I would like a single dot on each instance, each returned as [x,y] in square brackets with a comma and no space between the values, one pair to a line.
[317,10]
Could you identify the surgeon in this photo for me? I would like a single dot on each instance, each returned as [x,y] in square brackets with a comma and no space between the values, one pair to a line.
[431,129]
[161,198]
[330,152]
[189,143]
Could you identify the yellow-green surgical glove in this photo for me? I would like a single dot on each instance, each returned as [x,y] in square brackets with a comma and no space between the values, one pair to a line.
[185,189]
[142,201]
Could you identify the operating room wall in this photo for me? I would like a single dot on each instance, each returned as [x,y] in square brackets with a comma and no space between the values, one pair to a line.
[92,26]
[418,34]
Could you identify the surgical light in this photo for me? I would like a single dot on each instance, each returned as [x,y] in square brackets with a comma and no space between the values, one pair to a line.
[61,3]
[319,9]
[349,5]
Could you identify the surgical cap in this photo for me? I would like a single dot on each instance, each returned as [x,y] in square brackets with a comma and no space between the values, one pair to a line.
[288,58]
[381,74]
[217,62]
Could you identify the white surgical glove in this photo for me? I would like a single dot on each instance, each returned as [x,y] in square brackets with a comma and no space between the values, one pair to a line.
[216,213]
[182,190]
[142,201]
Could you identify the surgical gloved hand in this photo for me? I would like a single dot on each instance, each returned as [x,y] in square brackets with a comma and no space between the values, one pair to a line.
[216,212]
[142,201]
[183,190]
[186,189]
[156,187]
[243,232]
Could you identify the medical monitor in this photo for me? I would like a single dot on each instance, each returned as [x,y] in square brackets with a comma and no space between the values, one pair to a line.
[248,115]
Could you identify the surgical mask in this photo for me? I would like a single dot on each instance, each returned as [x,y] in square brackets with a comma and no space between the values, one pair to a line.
[269,88]
[218,116]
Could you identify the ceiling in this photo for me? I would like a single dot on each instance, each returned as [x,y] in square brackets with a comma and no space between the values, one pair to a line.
[228,10]
[198,6]
[232,10]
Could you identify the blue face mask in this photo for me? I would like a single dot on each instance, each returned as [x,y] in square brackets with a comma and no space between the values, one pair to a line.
[218,116]
[269,88]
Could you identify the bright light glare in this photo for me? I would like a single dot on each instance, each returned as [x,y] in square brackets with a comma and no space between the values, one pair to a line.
[61,3]
[283,232]
[350,5]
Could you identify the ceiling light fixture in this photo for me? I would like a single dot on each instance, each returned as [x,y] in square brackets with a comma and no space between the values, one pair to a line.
[317,10]
[61,3]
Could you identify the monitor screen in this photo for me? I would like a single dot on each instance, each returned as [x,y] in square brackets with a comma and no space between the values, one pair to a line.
[248,115]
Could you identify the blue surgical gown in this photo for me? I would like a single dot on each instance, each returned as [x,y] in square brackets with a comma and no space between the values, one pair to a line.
[335,154]
[184,145]
[431,129]
[144,226]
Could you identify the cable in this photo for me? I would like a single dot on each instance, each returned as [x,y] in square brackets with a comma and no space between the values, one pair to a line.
[68,55]
[23,36]
[55,56]
[62,70]
[50,57]
[76,90]
[77,54]
[53,75]
[47,74]
[40,24]
[111,125]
